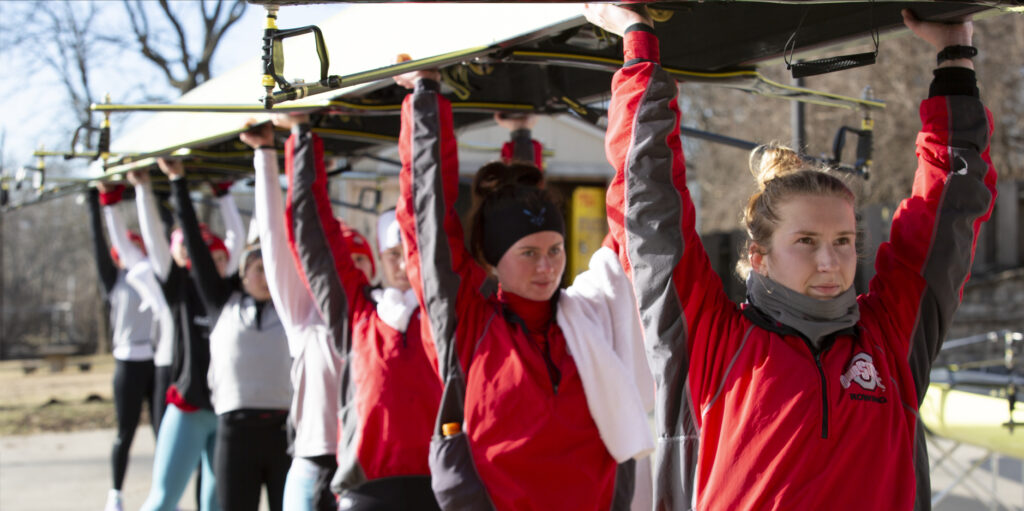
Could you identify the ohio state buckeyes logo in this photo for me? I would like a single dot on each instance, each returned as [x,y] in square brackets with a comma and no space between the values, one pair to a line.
[862,372]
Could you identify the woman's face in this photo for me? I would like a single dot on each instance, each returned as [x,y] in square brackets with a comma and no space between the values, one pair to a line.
[255,281]
[813,249]
[180,254]
[363,264]
[392,264]
[532,268]
[220,259]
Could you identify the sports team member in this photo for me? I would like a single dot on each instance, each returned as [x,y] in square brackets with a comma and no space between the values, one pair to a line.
[316,364]
[521,148]
[540,401]
[133,327]
[250,389]
[188,429]
[805,397]
[389,386]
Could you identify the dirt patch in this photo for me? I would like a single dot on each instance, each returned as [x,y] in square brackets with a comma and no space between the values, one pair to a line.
[56,417]
[69,400]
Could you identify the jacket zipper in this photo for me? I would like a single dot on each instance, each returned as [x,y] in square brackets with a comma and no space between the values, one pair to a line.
[824,384]
[824,396]
[553,373]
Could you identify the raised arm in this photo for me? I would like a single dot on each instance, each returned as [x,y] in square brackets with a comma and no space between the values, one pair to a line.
[291,299]
[318,247]
[234,229]
[104,263]
[521,145]
[153,233]
[117,230]
[441,270]
[214,288]
[684,312]
[922,269]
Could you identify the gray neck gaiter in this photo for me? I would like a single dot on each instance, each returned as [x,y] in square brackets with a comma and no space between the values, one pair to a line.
[811,317]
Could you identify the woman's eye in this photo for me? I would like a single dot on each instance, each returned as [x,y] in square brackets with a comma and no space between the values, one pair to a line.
[806,240]
[556,251]
[843,241]
[529,253]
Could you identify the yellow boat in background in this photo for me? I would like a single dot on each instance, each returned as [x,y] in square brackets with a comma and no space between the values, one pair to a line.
[974,415]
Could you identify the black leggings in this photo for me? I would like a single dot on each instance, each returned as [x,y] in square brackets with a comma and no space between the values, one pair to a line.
[133,384]
[161,382]
[252,450]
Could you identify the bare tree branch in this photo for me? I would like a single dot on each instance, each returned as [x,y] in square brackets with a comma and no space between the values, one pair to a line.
[196,67]
[140,26]
[214,35]
[182,39]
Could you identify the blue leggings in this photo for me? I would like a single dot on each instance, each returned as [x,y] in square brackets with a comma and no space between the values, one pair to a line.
[298,488]
[184,439]
[307,487]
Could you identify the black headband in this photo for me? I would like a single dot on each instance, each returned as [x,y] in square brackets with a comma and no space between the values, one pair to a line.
[513,220]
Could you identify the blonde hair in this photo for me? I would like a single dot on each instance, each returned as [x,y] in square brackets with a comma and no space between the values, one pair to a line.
[781,173]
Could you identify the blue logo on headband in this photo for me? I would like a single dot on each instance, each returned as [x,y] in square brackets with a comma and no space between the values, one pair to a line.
[537,219]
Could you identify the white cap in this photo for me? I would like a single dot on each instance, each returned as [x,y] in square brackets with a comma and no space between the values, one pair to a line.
[389,235]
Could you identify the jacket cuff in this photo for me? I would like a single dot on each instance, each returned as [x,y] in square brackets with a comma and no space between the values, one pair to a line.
[426,84]
[180,186]
[300,129]
[640,45]
[954,81]
[222,188]
[112,196]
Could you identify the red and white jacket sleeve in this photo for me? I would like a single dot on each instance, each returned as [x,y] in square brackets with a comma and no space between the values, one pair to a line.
[441,270]
[688,321]
[319,250]
[922,269]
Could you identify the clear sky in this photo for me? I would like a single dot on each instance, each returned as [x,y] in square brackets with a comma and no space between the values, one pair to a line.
[34,105]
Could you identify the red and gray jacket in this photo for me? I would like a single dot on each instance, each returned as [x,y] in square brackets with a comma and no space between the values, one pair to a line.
[389,385]
[527,439]
[781,425]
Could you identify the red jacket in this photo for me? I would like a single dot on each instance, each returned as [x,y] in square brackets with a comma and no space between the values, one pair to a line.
[390,388]
[531,436]
[780,425]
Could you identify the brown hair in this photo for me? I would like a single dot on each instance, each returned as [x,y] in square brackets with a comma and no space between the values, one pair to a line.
[497,183]
[781,173]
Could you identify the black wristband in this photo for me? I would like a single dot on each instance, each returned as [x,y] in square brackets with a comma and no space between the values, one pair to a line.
[638,27]
[955,52]
[266,147]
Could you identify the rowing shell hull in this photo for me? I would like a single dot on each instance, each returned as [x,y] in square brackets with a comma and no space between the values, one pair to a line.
[973,418]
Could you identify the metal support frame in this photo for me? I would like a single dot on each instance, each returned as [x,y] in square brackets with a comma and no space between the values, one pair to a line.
[963,473]
[798,119]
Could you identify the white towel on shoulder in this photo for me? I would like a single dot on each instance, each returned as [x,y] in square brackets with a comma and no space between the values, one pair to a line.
[599,319]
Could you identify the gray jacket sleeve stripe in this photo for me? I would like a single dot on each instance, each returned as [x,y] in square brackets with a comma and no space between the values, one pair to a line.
[965,198]
[440,282]
[654,252]
[314,252]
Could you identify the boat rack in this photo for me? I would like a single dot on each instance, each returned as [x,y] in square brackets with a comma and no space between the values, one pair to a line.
[963,410]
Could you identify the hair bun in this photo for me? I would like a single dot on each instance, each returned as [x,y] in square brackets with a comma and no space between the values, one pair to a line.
[772,160]
[497,175]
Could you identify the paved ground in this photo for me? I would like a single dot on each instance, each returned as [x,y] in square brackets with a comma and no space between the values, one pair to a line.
[71,471]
